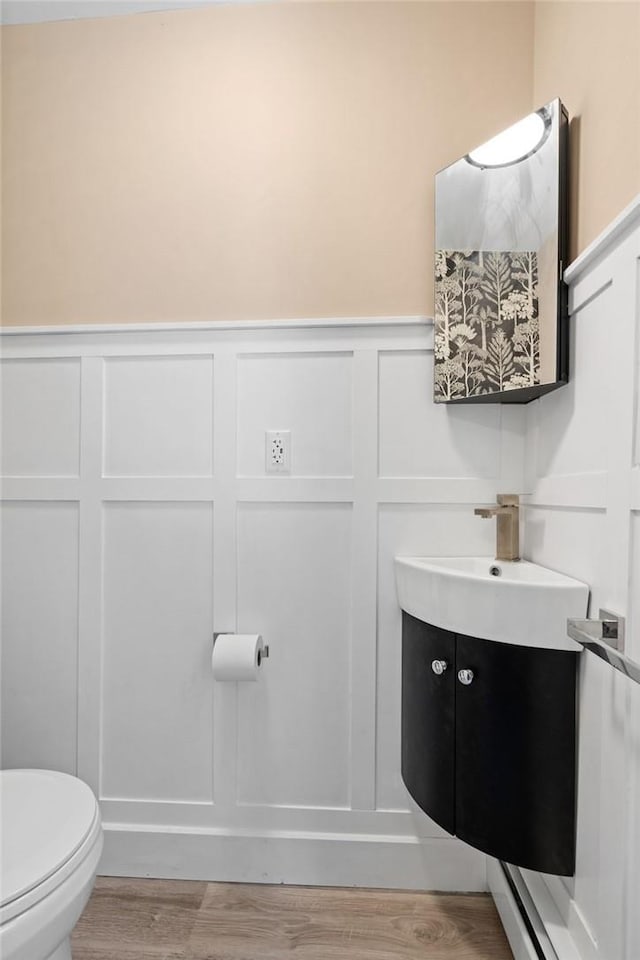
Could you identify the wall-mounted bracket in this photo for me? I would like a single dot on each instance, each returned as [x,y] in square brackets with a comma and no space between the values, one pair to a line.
[605,638]
[609,629]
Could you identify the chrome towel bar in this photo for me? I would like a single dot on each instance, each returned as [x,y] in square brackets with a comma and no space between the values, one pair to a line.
[605,638]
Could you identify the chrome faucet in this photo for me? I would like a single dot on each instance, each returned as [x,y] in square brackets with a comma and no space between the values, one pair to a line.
[507,513]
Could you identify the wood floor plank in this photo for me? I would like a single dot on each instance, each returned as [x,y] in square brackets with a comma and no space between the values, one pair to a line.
[184,920]
[247,922]
[137,919]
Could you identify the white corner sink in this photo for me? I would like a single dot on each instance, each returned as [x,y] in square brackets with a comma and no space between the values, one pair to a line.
[504,600]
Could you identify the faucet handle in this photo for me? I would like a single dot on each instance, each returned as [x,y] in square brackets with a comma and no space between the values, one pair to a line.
[508,499]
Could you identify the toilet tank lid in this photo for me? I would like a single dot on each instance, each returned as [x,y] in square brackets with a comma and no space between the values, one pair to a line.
[45,816]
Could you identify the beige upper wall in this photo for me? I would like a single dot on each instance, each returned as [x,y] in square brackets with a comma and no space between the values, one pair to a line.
[589,55]
[244,161]
[276,160]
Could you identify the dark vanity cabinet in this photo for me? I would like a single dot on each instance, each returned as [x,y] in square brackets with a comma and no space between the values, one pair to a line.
[488,743]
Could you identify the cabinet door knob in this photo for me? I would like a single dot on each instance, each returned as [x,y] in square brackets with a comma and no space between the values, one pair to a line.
[439,666]
[465,676]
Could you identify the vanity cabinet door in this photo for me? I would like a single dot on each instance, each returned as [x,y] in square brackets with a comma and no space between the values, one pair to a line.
[515,753]
[428,722]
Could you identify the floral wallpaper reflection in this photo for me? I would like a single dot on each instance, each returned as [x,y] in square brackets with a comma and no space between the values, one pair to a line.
[487,334]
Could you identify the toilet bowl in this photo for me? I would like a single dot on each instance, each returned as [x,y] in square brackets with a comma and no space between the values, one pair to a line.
[51,841]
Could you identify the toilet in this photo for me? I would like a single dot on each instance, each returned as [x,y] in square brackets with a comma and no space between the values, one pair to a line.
[50,845]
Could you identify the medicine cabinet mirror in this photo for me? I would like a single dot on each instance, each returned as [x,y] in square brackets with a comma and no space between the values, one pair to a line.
[501,324]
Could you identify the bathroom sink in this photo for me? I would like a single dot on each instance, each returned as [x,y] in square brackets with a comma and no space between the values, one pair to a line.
[507,601]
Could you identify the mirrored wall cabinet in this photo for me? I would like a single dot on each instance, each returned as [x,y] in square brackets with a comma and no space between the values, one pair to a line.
[501,322]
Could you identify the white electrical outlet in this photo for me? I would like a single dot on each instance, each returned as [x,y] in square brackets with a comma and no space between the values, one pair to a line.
[278,451]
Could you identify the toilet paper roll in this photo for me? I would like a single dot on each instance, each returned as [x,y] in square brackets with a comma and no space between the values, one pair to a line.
[237,656]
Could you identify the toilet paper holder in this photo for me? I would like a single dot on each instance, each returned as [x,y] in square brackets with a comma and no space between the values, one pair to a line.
[262,655]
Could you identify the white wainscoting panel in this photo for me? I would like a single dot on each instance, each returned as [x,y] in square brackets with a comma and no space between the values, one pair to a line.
[633,632]
[294,587]
[40,403]
[296,777]
[636,441]
[309,394]
[157,723]
[421,439]
[573,440]
[581,519]
[563,539]
[633,649]
[40,634]
[633,874]
[158,416]
[144,451]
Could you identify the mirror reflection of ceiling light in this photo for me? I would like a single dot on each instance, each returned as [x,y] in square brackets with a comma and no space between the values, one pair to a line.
[514,144]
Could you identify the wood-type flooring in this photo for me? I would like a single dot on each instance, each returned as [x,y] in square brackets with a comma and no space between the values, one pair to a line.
[186,920]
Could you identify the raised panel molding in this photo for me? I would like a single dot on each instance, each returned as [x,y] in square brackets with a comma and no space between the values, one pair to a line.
[633,649]
[180,533]
[563,539]
[40,401]
[158,419]
[460,443]
[579,490]
[309,394]
[39,634]
[572,438]
[636,388]
[293,724]
[635,489]
[581,518]
[633,631]
[157,687]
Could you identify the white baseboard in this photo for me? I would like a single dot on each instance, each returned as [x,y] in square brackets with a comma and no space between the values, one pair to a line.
[562,919]
[304,858]
[559,936]
[510,915]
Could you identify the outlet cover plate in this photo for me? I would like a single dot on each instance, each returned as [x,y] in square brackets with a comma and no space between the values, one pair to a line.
[277,451]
